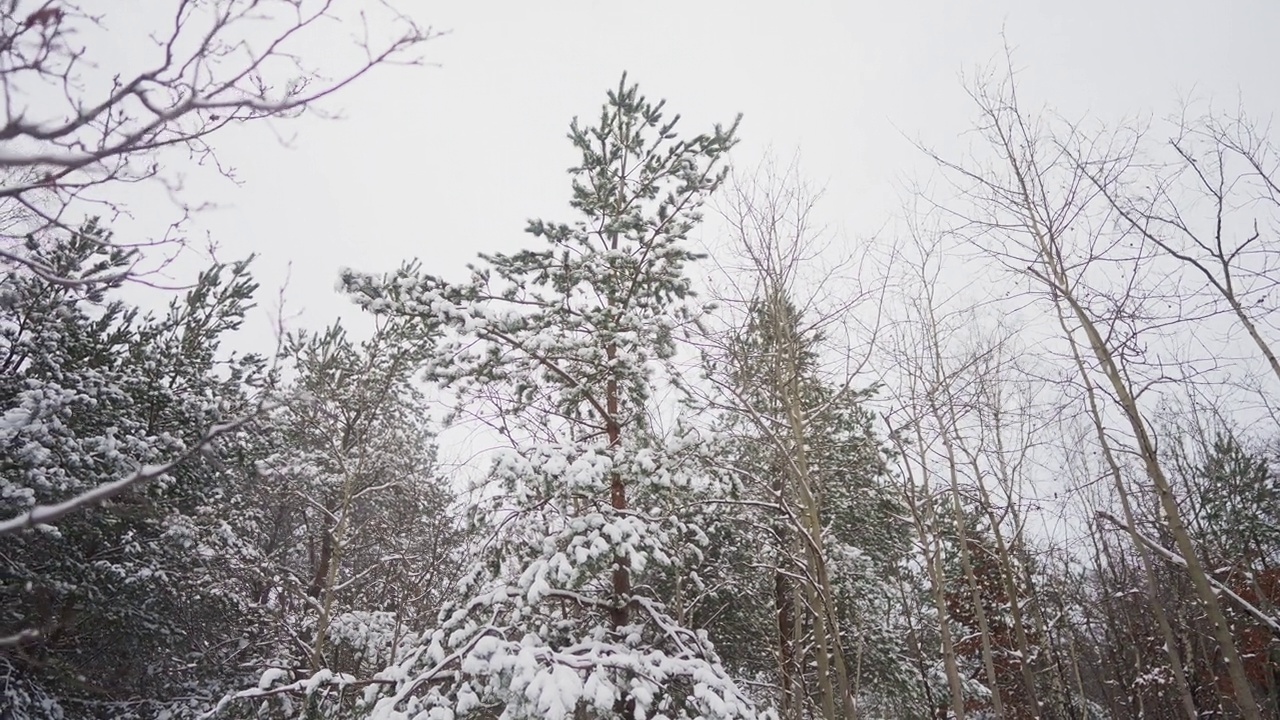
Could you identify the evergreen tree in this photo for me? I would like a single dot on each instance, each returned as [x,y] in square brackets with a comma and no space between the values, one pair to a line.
[785,408]
[562,348]
[1233,496]
[127,599]
[353,542]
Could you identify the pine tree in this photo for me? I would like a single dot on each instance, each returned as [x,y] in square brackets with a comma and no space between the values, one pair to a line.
[129,597]
[354,542]
[1234,503]
[564,347]
[809,452]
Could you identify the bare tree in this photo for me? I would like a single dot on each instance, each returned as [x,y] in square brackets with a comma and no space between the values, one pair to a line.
[1032,217]
[1115,472]
[79,117]
[1211,207]
[939,388]
[921,500]
[789,303]
[923,425]
[771,230]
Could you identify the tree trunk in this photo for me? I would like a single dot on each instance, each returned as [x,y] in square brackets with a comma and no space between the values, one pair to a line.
[1009,578]
[1058,283]
[946,428]
[1122,493]
[838,701]
[784,607]
[927,531]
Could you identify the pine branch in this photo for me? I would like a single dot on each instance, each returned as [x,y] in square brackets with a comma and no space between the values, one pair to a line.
[47,514]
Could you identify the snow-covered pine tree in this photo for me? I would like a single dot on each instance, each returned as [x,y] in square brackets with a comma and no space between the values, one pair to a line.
[125,603]
[564,348]
[354,544]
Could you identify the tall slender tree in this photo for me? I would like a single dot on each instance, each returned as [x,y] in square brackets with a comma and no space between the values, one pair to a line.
[563,349]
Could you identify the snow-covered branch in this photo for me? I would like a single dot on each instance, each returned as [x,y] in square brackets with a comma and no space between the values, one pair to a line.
[18,638]
[46,514]
[1176,559]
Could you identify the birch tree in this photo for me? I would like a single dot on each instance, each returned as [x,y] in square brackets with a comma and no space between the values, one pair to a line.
[1033,220]
[809,454]
[1209,202]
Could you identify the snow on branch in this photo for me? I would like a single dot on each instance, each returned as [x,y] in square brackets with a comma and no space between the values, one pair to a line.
[46,514]
[1176,559]
[18,638]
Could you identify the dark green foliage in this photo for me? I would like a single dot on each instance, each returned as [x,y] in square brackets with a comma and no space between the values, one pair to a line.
[126,595]
[771,360]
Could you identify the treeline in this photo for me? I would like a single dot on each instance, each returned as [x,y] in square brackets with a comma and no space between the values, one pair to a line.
[1016,461]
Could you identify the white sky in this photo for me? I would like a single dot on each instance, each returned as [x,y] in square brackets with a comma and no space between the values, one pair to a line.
[441,162]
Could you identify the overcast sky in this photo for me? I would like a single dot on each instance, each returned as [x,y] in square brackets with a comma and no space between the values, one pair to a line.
[440,162]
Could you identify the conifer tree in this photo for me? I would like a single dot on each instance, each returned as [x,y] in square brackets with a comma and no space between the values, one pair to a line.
[122,608]
[562,347]
[835,535]
[353,546]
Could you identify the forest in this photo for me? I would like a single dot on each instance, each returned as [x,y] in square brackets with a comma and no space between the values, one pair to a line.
[1019,458]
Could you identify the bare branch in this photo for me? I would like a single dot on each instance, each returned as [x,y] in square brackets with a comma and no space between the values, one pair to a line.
[78,122]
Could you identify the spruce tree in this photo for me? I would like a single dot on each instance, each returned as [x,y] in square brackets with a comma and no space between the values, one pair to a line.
[564,348]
